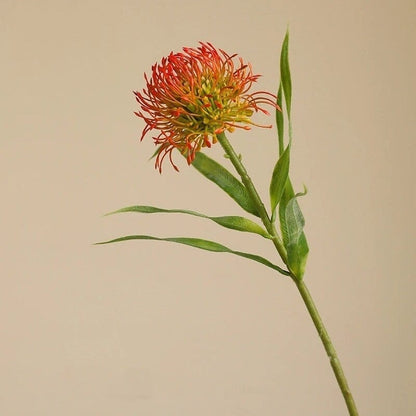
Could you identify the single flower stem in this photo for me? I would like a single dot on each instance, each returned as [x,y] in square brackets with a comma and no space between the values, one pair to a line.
[239,167]
[329,347]
[303,290]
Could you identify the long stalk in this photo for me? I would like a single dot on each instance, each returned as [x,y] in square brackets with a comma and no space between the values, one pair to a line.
[329,347]
[303,290]
[239,167]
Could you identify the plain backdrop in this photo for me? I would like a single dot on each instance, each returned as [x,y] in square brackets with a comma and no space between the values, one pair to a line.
[155,329]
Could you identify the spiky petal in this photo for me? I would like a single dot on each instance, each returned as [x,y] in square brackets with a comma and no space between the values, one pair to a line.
[193,95]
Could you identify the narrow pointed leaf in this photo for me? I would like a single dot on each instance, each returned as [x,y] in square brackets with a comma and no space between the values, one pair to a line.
[297,255]
[287,195]
[294,219]
[216,173]
[279,179]
[240,224]
[203,245]
[279,120]
[294,237]
[285,73]
[232,222]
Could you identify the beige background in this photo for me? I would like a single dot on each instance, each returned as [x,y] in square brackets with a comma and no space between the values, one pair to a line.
[154,329]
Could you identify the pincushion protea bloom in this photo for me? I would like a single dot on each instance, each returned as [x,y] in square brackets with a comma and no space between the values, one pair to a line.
[192,96]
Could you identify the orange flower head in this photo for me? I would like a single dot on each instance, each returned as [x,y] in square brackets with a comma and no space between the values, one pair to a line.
[192,96]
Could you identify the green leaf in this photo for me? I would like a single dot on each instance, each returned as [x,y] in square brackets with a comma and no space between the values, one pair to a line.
[279,179]
[204,245]
[297,255]
[240,224]
[285,73]
[294,219]
[293,236]
[225,180]
[287,195]
[232,222]
[279,119]
[281,190]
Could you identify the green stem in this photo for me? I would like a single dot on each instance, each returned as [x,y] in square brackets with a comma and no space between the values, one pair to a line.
[303,290]
[329,347]
[239,167]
